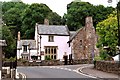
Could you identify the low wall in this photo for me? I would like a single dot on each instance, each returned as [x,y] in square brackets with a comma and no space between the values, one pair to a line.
[40,63]
[107,66]
[52,62]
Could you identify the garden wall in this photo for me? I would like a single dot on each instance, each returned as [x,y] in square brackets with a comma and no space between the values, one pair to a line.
[107,66]
[52,62]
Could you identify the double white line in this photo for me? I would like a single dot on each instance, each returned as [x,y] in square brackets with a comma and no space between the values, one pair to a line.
[23,76]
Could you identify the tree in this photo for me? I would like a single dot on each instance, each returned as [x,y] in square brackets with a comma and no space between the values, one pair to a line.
[7,5]
[35,13]
[54,18]
[11,46]
[12,16]
[78,11]
[108,31]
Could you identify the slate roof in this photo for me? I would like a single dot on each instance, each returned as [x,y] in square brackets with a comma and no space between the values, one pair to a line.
[30,43]
[53,30]
[72,33]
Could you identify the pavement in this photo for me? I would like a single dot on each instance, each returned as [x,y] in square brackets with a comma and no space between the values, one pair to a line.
[89,70]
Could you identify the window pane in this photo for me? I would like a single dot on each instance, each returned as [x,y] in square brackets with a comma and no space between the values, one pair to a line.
[49,50]
[54,50]
[51,56]
[50,38]
[25,48]
[45,50]
[54,56]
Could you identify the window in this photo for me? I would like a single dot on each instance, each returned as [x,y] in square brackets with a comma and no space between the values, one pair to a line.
[80,43]
[51,52]
[25,48]
[50,38]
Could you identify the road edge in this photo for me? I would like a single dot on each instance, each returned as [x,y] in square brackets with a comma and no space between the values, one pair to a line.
[79,70]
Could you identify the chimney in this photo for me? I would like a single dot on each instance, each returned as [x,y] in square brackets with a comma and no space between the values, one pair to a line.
[19,36]
[88,22]
[46,22]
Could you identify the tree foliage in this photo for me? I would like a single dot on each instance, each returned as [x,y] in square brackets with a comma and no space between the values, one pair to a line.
[36,13]
[10,41]
[54,18]
[78,11]
[18,16]
[12,14]
[108,31]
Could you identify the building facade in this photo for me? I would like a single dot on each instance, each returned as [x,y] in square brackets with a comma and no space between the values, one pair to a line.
[50,43]
[53,41]
[83,42]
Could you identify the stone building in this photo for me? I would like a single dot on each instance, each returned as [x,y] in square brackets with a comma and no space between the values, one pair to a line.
[83,42]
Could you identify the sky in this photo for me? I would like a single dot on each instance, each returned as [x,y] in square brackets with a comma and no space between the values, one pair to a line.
[60,6]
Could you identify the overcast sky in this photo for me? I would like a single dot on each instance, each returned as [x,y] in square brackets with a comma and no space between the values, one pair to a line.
[60,6]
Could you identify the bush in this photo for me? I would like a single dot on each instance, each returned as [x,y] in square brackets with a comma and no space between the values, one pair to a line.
[103,54]
[97,58]
[47,58]
[10,59]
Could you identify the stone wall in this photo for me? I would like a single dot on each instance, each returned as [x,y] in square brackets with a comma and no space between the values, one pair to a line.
[107,66]
[52,62]
[84,42]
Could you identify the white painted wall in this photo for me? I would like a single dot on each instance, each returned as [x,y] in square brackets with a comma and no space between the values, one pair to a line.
[116,58]
[60,41]
[32,53]
[19,52]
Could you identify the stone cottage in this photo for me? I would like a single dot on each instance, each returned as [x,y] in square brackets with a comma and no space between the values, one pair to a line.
[83,42]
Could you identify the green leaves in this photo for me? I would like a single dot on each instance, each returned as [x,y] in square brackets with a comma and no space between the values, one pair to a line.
[34,13]
[107,31]
[10,41]
[78,11]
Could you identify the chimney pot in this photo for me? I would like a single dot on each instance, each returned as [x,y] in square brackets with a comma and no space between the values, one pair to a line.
[88,22]
[46,22]
[19,36]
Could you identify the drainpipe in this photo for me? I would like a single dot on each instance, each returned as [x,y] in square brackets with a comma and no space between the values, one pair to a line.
[40,47]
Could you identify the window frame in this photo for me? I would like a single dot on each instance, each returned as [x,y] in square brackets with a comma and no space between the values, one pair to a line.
[50,38]
[25,48]
[52,53]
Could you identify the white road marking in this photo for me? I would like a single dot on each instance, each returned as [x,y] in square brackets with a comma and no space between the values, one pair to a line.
[23,76]
[78,70]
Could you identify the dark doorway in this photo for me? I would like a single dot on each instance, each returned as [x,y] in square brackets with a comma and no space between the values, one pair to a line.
[34,57]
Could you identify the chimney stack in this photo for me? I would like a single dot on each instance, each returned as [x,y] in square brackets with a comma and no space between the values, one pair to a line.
[19,36]
[88,22]
[46,22]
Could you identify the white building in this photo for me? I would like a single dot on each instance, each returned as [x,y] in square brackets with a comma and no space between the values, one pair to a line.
[50,42]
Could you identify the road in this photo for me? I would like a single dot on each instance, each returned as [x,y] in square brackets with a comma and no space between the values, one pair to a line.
[69,71]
